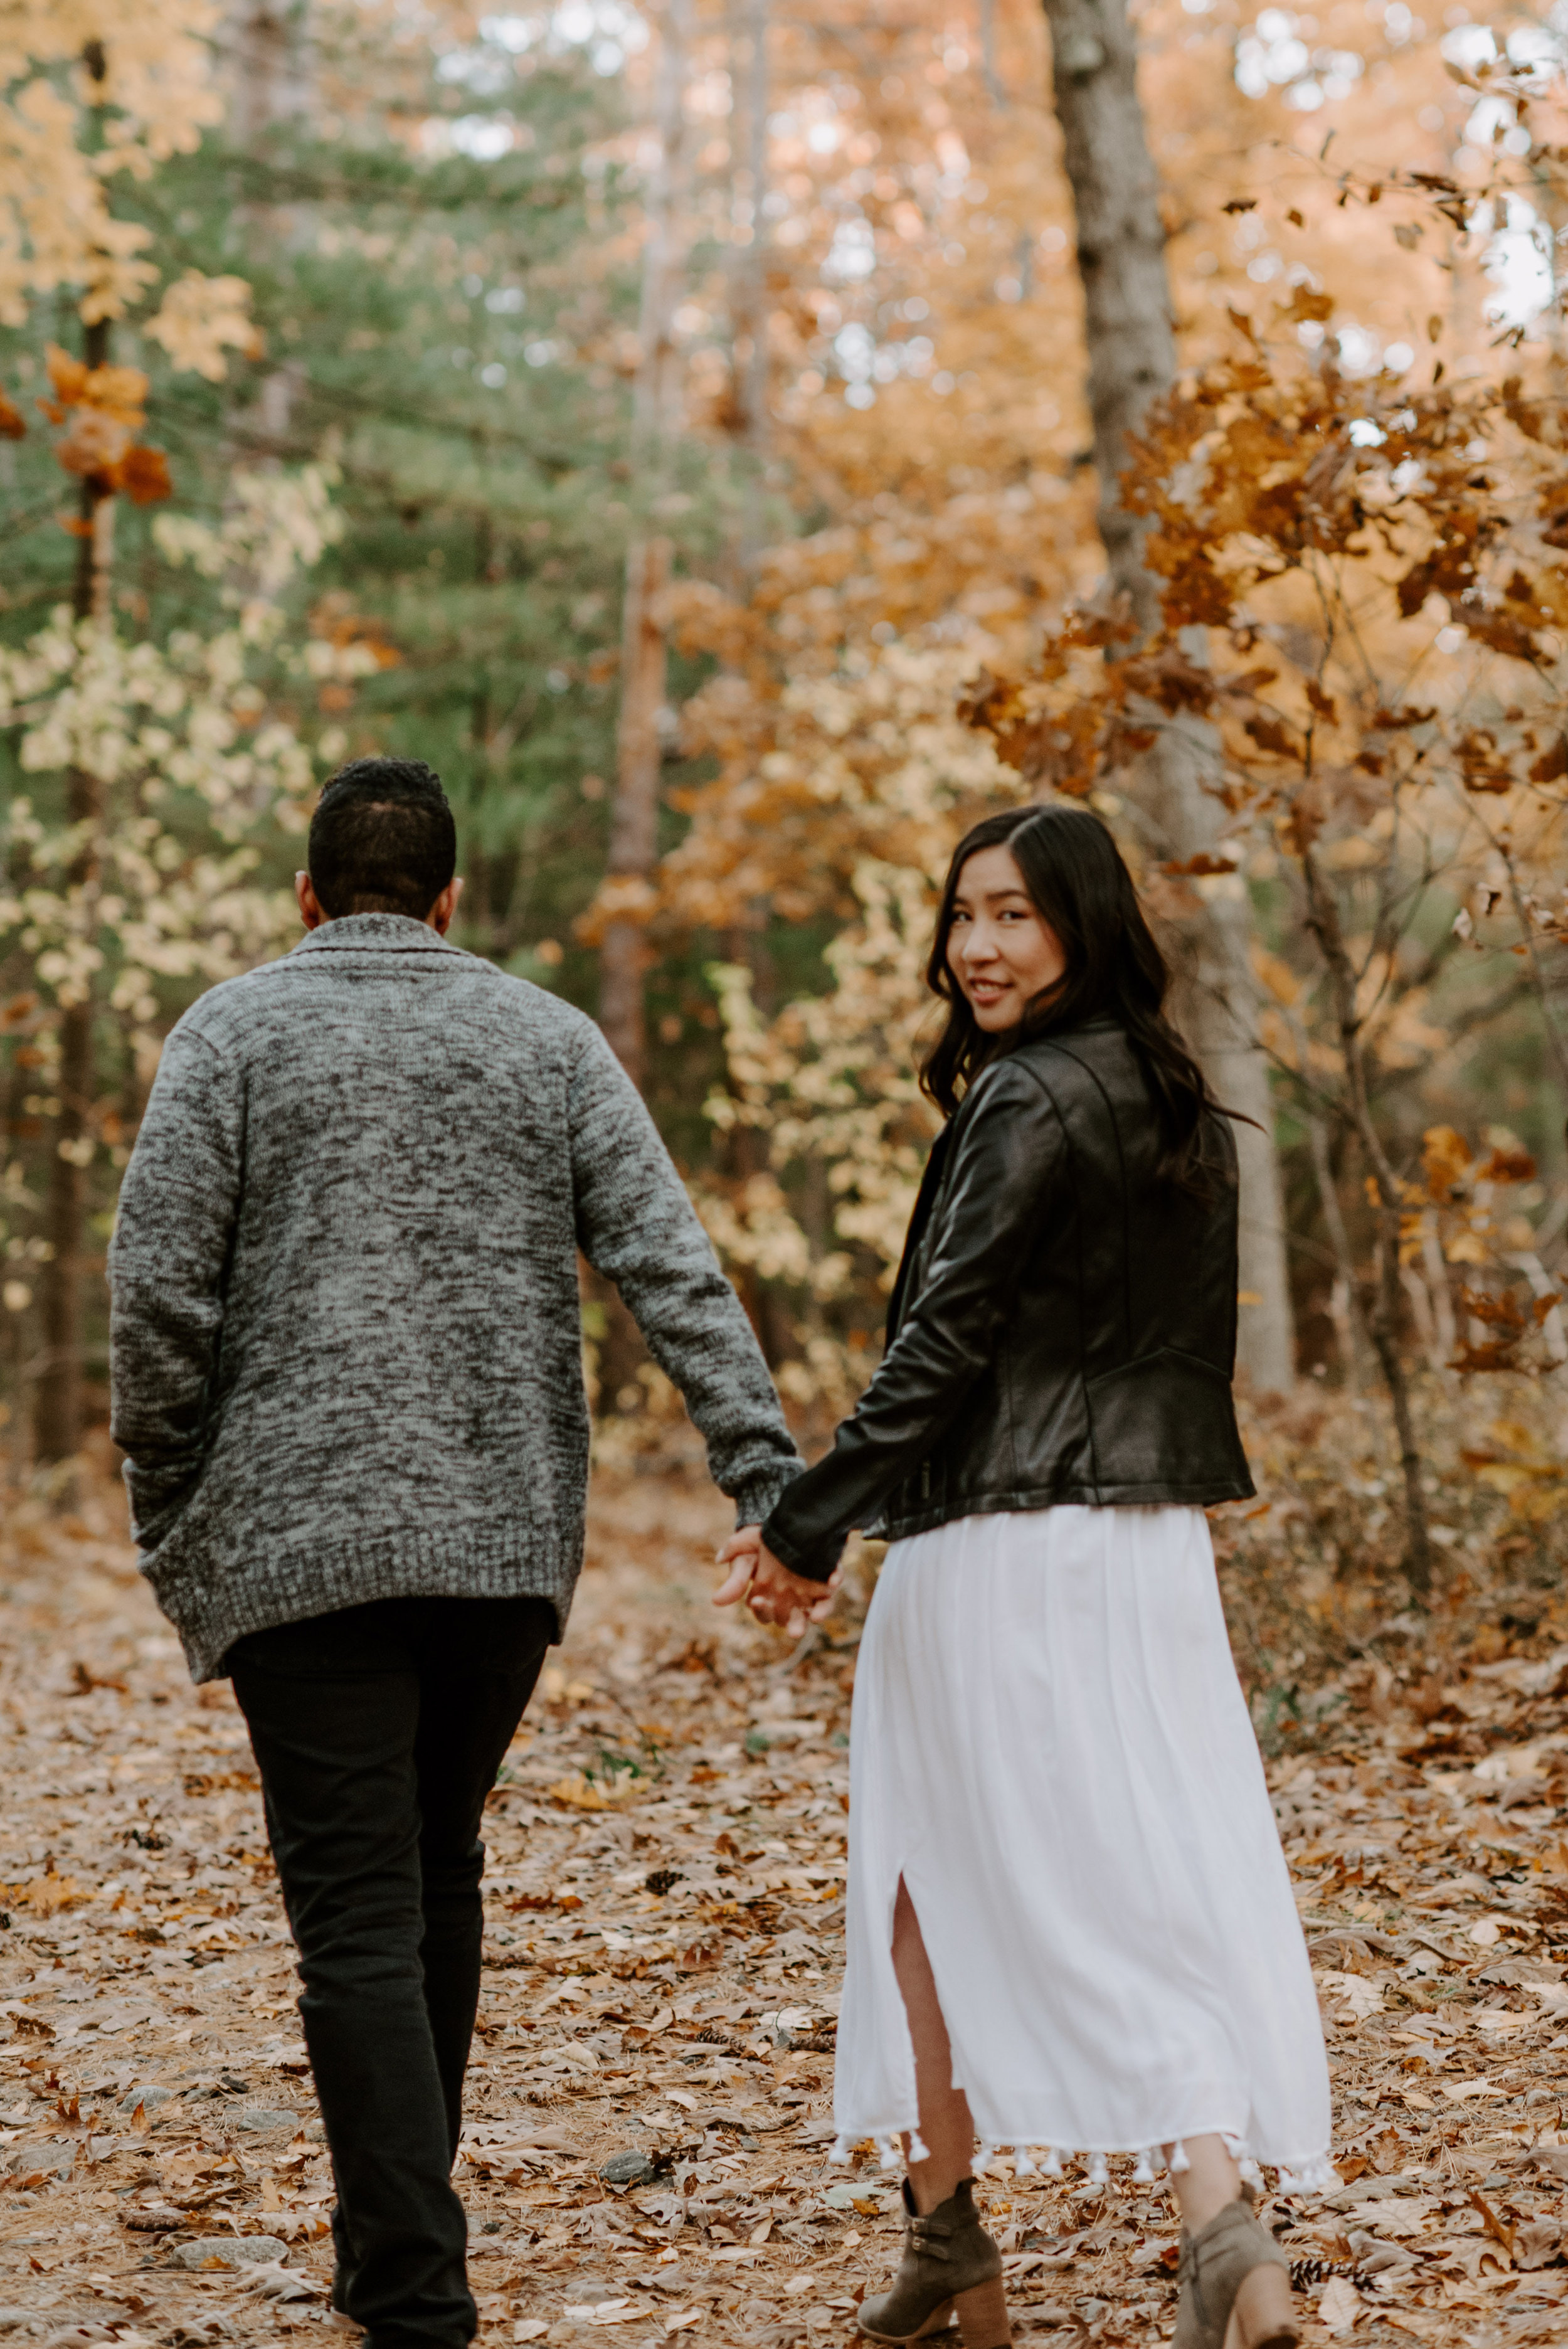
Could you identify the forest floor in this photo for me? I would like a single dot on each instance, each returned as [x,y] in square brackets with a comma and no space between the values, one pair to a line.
[664,1938]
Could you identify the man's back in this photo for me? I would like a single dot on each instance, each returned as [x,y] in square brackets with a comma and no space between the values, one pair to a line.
[348,1347]
[347,1373]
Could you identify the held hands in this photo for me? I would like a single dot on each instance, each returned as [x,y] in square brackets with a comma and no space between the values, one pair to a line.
[773,1594]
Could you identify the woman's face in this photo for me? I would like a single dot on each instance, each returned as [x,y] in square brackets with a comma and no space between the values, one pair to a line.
[1000,949]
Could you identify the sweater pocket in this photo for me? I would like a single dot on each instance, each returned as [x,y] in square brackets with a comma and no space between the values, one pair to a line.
[1166,1420]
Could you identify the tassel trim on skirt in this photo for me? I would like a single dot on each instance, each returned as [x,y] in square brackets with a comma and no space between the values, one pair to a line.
[1051,1749]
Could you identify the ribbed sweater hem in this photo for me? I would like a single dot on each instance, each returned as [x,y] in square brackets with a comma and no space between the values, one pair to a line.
[289,1585]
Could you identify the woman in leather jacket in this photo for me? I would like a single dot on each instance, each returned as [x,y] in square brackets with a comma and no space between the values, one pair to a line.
[1069,1922]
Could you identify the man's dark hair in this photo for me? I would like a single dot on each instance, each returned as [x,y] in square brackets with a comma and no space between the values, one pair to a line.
[382,840]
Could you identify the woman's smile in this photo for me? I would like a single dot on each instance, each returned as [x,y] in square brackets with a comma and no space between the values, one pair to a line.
[1001,950]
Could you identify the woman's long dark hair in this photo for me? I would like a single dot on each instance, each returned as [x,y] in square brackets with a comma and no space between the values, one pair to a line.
[1077,881]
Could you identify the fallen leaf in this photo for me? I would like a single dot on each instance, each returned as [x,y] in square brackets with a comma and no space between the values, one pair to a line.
[1338,2304]
[46,1893]
[583,1793]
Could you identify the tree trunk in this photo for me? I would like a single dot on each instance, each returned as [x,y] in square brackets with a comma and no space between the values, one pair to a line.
[272,48]
[57,1408]
[270,44]
[748,294]
[635,816]
[1132,361]
[634,811]
[1383,1320]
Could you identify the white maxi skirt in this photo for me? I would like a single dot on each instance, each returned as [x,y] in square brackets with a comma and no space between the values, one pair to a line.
[1051,1746]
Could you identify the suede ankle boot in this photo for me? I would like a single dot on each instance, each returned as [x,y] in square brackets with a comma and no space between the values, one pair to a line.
[950,2263]
[1235,2265]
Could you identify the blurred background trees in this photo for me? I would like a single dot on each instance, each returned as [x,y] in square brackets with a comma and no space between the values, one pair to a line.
[704,435]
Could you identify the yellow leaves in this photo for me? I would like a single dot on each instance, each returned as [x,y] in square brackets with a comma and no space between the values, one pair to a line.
[103,408]
[13,423]
[755,1227]
[1520,1467]
[584,1794]
[46,1894]
[1445,1157]
[202,318]
[1354,853]
[1451,1167]
[58,230]
[1278,1038]
[1276,975]
[1253,442]
[117,391]
[1468,1247]
[620,898]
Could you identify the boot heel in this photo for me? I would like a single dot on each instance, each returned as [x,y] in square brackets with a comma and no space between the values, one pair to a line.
[983,2319]
[939,2321]
[1265,2314]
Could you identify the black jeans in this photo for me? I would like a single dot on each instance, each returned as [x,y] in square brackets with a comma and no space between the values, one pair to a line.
[378,1732]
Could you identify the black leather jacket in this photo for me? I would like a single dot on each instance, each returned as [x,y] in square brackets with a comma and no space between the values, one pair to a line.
[1063,1328]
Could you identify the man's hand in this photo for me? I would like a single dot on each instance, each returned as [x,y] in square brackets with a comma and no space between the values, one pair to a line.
[773,1594]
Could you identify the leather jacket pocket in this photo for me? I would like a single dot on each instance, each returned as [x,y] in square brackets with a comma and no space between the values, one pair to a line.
[1155,1417]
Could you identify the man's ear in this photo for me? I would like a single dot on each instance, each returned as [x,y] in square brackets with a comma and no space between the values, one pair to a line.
[440,916]
[311,911]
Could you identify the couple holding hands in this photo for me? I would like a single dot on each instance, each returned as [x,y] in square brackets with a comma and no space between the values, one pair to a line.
[347,1377]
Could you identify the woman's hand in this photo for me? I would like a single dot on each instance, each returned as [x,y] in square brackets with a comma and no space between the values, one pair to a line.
[773,1594]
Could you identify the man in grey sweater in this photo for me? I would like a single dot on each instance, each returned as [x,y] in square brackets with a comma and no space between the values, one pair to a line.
[347,1378]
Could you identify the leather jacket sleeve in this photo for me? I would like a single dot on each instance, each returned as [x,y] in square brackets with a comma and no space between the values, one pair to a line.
[1009,1153]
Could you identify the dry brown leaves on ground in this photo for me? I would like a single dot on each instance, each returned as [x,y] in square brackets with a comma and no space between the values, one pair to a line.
[663,1940]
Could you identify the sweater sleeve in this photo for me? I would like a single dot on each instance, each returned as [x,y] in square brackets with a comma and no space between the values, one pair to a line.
[1007,1156]
[637,1227]
[166,1264]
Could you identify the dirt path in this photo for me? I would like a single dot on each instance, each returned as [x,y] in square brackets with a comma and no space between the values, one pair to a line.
[663,1938]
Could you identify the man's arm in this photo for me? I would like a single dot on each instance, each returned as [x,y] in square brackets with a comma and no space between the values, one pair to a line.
[166,1265]
[636,1226]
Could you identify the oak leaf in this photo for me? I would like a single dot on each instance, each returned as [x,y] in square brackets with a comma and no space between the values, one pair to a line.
[1269,734]
[46,1893]
[1507,1165]
[143,474]
[1446,1156]
[67,375]
[95,442]
[1201,864]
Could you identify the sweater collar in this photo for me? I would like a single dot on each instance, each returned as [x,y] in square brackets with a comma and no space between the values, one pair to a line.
[375,934]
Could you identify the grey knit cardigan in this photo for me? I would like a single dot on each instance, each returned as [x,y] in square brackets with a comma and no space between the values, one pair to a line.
[345,1337]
